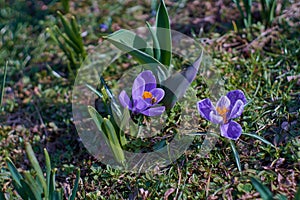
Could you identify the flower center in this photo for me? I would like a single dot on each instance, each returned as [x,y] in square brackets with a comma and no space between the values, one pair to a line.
[148,95]
[222,111]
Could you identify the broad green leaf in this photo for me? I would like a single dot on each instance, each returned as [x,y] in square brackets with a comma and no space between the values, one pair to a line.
[177,84]
[163,34]
[143,58]
[14,172]
[236,155]
[3,84]
[264,192]
[260,138]
[35,164]
[75,188]
[130,39]
[156,48]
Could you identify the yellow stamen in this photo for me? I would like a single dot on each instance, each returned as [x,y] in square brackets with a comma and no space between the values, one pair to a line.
[222,111]
[147,95]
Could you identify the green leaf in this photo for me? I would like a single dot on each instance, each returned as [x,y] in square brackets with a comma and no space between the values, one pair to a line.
[3,84]
[236,155]
[27,189]
[48,169]
[177,84]
[20,190]
[260,138]
[2,197]
[98,119]
[297,195]
[75,188]
[113,140]
[94,90]
[130,39]
[163,34]
[264,192]
[69,31]
[156,48]
[124,121]
[14,172]
[36,189]
[52,185]
[36,166]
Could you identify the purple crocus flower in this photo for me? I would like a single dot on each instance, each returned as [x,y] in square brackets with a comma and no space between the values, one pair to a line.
[145,96]
[227,108]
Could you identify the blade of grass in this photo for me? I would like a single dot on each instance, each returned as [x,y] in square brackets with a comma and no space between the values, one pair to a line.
[264,192]
[75,188]
[3,84]
[236,155]
[48,169]
[260,138]
[14,172]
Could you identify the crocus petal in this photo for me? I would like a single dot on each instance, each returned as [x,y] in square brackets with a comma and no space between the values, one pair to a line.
[138,87]
[205,107]
[140,105]
[158,93]
[223,102]
[149,79]
[235,95]
[124,100]
[215,118]
[231,130]
[154,111]
[236,110]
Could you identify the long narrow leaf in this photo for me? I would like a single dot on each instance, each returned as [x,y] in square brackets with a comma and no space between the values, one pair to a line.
[3,84]
[264,192]
[48,169]
[14,172]
[114,141]
[130,39]
[260,138]
[52,187]
[20,190]
[36,189]
[236,155]
[35,164]
[75,188]
[94,90]
[28,190]
[159,70]
[2,196]
[156,47]
[72,35]
[163,34]
[297,195]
